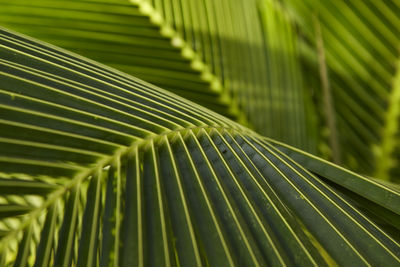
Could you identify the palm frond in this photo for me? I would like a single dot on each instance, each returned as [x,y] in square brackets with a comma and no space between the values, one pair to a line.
[211,52]
[288,101]
[123,173]
[362,49]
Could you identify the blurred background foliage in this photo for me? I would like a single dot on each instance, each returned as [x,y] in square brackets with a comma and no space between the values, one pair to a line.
[319,75]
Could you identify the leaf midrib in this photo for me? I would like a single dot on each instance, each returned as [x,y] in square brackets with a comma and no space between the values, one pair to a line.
[106,161]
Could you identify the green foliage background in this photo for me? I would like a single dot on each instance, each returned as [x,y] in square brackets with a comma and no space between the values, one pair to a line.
[118,170]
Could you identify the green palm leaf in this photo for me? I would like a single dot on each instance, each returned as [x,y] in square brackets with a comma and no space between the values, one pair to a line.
[116,171]
[362,51]
[219,54]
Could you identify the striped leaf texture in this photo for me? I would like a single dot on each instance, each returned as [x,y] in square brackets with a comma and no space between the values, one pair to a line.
[361,43]
[99,168]
[219,54]
[288,81]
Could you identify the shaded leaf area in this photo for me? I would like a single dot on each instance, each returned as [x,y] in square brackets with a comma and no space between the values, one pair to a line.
[123,173]
[361,41]
[219,54]
[291,89]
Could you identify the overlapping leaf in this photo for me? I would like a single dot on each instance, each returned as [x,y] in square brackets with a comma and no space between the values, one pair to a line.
[362,42]
[103,169]
[211,52]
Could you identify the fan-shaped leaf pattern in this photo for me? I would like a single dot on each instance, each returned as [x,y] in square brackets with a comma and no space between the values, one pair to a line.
[116,171]
[211,52]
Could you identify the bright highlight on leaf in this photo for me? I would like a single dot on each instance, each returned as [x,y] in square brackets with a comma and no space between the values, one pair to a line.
[200,160]
[127,174]
[361,41]
[224,55]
